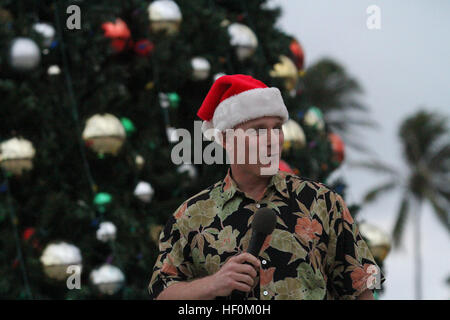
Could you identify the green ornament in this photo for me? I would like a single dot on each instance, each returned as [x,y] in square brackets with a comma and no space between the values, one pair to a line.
[151,145]
[314,118]
[174,99]
[376,296]
[317,111]
[128,125]
[102,198]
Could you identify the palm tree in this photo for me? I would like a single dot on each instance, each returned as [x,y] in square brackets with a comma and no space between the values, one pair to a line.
[426,146]
[328,86]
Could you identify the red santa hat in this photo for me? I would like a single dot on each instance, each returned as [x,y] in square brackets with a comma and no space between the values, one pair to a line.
[234,99]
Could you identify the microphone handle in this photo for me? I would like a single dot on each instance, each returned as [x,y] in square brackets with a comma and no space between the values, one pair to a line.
[254,247]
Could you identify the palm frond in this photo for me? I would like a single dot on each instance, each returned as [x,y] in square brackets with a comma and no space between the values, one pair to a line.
[444,193]
[374,193]
[443,214]
[419,133]
[400,221]
[440,160]
[374,165]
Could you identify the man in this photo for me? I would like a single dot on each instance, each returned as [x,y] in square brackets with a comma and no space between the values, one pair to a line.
[315,251]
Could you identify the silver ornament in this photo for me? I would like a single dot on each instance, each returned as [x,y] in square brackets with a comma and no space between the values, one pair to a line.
[200,68]
[108,279]
[189,168]
[243,39]
[106,231]
[165,16]
[57,257]
[24,54]
[46,31]
[104,133]
[53,70]
[144,191]
[16,155]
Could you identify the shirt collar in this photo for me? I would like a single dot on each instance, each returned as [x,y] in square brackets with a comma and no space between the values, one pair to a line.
[229,186]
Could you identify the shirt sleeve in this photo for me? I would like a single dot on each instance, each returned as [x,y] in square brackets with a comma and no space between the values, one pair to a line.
[174,262]
[351,266]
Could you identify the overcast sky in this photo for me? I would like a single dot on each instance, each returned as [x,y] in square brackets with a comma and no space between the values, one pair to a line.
[402,66]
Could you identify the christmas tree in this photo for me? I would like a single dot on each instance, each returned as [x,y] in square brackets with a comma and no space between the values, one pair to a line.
[92,92]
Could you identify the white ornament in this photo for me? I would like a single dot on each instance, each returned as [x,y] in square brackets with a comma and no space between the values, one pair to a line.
[164,100]
[189,168]
[144,191]
[16,155]
[106,231]
[104,133]
[57,257]
[46,31]
[54,70]
[172,134]
[243,39]
[108,279]
[200,68]
[24,54]
[164,15]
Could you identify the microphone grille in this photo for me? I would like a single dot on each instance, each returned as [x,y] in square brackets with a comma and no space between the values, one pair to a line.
[264,221]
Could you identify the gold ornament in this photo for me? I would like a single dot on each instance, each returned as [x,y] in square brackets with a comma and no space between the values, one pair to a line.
[165,16]
[104,134]
[5,16]
[293,135]
[286,69]
[139,161]
[378,241]
[149,85]
[16,155]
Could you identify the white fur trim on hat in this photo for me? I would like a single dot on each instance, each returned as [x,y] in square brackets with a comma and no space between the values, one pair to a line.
[245,106]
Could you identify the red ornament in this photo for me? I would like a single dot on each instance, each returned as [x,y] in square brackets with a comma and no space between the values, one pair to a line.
[119,33]
[297,54]
[283,166]
[337,145]
[28,233]
[143,47]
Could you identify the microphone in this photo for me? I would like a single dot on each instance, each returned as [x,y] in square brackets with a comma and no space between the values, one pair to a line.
[263,224]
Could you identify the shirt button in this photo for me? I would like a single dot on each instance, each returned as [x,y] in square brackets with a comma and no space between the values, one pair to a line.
[264,262]
[265,293]
[258,205]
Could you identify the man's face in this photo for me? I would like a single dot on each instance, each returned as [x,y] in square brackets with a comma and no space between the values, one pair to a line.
[256,145]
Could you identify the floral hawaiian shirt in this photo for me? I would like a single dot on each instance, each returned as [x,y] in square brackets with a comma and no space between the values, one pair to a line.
[315,251]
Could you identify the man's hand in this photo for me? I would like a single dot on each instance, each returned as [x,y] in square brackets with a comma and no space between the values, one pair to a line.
[235,275]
